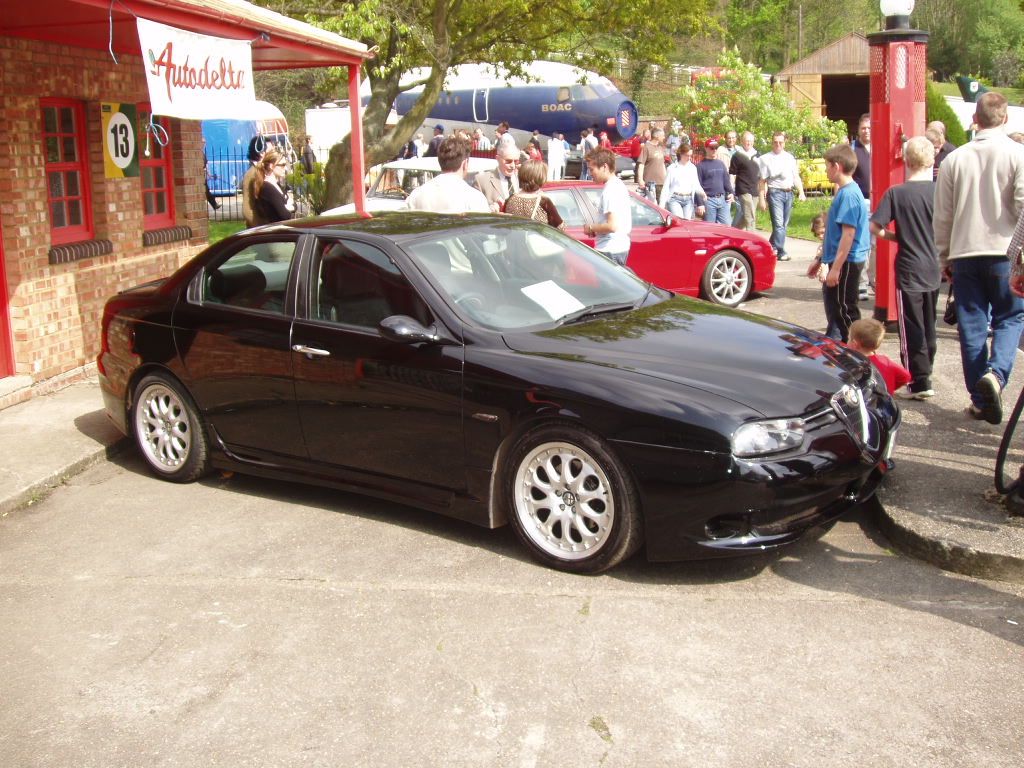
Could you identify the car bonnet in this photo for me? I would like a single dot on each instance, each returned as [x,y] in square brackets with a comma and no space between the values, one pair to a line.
[771,367]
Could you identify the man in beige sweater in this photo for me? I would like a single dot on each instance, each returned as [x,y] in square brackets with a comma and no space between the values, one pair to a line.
[979,195]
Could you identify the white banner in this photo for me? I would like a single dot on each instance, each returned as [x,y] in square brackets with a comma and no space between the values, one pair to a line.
[196,77]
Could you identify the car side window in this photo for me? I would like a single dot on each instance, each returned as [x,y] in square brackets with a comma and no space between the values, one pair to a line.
[568,207]
[358,284]
[644,215]
[255,277]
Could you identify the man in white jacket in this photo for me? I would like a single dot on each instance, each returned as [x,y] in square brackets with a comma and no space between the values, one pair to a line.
[556,157]
[979,195]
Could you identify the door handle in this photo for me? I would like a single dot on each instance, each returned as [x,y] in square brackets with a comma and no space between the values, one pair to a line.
[310,351]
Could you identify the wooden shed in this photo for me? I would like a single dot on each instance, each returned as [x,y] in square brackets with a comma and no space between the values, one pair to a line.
[833,80]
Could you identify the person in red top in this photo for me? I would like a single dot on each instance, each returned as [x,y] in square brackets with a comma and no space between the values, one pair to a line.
[866,337]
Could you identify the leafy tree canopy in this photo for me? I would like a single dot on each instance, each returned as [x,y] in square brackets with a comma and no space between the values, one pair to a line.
[740,98]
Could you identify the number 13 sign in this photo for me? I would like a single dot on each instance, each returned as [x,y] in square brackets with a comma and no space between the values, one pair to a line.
[120,149]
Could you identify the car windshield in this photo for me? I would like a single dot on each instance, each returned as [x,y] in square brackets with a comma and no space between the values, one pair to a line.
[522,274]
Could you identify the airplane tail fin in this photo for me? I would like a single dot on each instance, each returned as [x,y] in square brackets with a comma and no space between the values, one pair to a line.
[970,88]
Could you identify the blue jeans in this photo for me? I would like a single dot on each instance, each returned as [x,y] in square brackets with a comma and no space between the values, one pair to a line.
[982,292]
[618,258]
[717,209]
[681,206]
[780,206]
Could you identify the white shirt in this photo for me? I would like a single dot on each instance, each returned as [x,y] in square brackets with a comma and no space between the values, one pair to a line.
[680,180]
[448,193]
[556,153]
[615,200]
[779,169]
[483,143]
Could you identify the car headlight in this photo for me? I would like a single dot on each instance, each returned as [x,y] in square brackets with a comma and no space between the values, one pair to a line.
[759,438]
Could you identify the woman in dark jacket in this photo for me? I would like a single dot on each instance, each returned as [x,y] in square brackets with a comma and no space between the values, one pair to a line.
[272,202]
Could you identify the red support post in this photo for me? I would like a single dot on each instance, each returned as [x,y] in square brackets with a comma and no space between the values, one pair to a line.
[356,145]
[898,95]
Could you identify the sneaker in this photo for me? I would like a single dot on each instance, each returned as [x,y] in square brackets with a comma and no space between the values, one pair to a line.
[908,394]
[784,257]
[991,393]
[974,412]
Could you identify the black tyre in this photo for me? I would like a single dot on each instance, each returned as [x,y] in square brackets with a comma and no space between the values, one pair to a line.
[168,430]
[727,279]
[571,502]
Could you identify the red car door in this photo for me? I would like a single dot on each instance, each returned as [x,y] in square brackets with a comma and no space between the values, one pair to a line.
[659,250]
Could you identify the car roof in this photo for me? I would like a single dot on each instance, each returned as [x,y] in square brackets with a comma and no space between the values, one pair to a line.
[476,164]
[397,226]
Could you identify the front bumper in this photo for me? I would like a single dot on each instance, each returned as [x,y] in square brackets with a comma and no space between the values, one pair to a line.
[709,506]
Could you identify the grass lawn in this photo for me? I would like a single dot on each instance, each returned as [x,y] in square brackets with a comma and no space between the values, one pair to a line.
[1013,95]
[800,219]
[221,229]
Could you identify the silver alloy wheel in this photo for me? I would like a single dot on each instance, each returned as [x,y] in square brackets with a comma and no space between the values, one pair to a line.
[163,428]
[729,280]
[564,501]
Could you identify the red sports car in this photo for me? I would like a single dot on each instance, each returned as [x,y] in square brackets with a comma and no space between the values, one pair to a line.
[721,264]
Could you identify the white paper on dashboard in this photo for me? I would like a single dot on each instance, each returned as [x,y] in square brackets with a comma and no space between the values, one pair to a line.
[553,299]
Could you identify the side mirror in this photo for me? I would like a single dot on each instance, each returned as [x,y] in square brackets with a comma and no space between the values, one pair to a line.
[406,330]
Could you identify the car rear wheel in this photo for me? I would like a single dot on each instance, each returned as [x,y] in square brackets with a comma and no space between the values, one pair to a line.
[169,431]
[727,279]
[573,505]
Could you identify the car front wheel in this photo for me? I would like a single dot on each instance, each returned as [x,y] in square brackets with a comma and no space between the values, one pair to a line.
[573,505]
[169,430]
[727,279]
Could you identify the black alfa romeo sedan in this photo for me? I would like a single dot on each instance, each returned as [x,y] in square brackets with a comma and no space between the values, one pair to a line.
[495,370]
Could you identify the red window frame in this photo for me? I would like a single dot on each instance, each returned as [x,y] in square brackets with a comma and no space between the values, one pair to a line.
[67,177]
[151,168]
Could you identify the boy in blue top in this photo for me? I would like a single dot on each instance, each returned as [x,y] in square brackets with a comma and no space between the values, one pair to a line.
[847,244]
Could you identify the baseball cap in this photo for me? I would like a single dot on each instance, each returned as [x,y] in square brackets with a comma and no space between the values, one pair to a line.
[439,127]
[711,144]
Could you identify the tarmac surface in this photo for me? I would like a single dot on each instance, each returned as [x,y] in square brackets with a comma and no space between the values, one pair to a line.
[939,504]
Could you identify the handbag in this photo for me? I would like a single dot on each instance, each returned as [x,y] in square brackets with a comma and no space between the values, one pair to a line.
[949,316]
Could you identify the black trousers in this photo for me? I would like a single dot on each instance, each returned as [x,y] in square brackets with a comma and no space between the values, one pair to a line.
[841,307]
[916,314]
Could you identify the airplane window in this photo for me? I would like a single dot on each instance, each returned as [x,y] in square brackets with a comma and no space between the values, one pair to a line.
[563,93]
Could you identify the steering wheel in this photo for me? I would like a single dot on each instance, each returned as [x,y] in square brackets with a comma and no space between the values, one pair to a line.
[472,301]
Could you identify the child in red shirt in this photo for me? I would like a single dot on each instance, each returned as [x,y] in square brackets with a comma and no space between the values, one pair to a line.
[866,337]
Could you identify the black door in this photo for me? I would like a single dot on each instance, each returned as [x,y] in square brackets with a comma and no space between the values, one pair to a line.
[233,335]
[366,403]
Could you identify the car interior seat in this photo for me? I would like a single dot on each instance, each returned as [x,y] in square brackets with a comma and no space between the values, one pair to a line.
[242,286]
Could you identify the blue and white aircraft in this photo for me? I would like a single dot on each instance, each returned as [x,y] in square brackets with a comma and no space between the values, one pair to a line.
[555,98]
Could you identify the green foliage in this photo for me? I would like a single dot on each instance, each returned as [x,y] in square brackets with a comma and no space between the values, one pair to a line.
[741,99]
[311,188]
[937,108]
[775,33]
[981,36]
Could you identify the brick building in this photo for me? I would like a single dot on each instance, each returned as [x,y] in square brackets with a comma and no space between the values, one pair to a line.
[70,236]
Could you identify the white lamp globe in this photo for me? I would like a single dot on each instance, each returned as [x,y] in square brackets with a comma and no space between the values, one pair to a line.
[896,7]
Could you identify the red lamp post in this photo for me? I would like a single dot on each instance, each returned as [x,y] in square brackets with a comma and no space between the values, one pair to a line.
[898,95]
